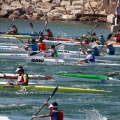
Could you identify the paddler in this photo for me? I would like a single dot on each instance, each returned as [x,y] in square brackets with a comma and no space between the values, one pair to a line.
[14,30]
[41,44]
[23,78]
[110,49]
[95,51]
[53,51]
[49,33]
[33,45]
[90,58]
[54,114]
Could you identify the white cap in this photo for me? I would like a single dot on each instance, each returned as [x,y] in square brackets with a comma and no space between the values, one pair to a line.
[51,106]
[89,50]
[94,46]
[19,69]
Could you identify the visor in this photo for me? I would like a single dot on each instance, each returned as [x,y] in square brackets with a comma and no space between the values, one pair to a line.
[19,69]
[51,106]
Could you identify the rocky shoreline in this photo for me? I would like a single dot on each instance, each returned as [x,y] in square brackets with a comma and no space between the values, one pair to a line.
[71,10]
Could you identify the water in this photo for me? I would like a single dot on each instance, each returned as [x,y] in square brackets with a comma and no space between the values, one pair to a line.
[76,106]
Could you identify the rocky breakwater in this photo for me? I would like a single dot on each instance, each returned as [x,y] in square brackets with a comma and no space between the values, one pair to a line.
[50,9]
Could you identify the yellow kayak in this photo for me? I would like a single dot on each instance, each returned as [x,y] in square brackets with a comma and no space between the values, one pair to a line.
[18,36]
[50,89]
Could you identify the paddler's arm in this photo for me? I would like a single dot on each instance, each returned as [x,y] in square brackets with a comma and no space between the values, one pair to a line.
[41,116]
[82,51]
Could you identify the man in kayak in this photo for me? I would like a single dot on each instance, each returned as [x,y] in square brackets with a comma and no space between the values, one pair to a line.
[33,45]
[95,51]
[41,44]
[90,58]
[53,52]
[54,114]
[14,30]
[22,77]
[49,33]
[102,40]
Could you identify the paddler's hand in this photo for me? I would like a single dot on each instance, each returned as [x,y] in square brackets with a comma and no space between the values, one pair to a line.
[46,103]
[33,116]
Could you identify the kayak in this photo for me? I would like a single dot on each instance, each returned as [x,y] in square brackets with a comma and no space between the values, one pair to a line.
[7,75]
[50,89]
[85,78]
[18,36]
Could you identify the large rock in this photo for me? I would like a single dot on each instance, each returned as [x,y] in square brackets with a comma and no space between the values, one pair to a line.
[65,3]
[25,4]
[3,13]
[16,4]
[47,1]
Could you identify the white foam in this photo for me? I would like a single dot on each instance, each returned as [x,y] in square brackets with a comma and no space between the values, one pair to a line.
[4,118]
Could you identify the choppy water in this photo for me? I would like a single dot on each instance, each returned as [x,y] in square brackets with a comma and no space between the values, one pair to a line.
[76,106]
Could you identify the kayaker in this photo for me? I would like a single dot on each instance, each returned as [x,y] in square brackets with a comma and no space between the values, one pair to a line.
[94,38]
[41,44]
[90,58]
[33,45]
[23,78]
[85,39]
[110,50]
[14,30]
[54,114]
[53,52]
[95,51]
[102,40]
[49,33]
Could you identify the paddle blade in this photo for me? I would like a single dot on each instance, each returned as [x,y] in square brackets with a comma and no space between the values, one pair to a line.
[31,25]
[95,26]
[46,23]
[109,36]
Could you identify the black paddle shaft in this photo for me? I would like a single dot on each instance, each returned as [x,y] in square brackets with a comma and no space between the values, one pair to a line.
[47,100]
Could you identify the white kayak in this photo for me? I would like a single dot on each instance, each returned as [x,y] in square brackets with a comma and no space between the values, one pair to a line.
[31,76]
[4,118]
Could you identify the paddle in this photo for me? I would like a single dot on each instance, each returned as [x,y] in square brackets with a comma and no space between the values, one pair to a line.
[11,24]
[109,36]
[92,29]
[55,89]
[22,87]
[34,53]
[31,25]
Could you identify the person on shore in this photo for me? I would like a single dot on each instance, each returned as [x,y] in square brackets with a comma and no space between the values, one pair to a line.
[33,45]
[90,58]
[54,114]
[95,51]
[41,44]
[118,14]
[14,30]
[49,33]
[22,77]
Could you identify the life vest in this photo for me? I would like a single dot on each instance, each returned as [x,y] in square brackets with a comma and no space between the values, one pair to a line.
[42,46]
[21,78]
[118,38]
[60,115]
[91,60]
[56,53]
[111,51]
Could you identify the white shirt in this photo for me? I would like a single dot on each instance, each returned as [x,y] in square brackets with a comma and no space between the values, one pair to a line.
[89,57]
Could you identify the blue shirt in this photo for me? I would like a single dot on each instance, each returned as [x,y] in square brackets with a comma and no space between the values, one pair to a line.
[34,46]
[96,52]
[111,51]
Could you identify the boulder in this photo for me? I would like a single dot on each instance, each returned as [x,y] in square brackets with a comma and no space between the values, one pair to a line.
[16,4]
[47,1]
[65,3]
[3,13]
[11,16]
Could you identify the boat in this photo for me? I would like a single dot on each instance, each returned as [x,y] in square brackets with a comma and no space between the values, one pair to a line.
[31,76]
[50,89]
[85,78]
[17,36]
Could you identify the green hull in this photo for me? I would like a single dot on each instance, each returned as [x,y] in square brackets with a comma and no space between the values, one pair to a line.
[76,75]
[50,89]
